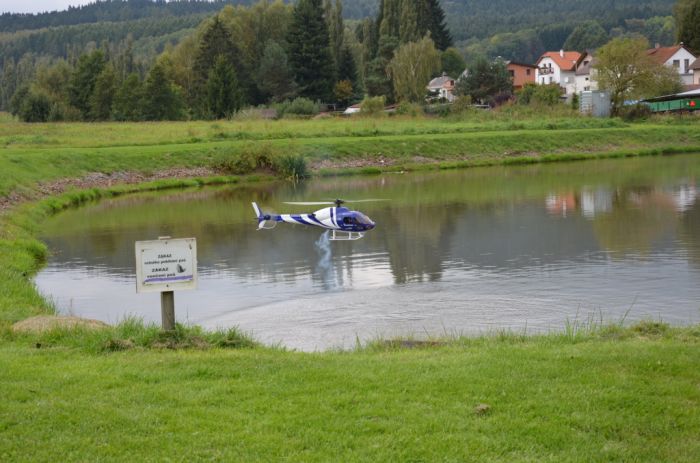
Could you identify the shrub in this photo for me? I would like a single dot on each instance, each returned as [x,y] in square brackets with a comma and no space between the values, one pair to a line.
[264,157]
[372,106]
[546,95]
[298,107]
[635,112]
[36,107]
[461,104]
[406,108]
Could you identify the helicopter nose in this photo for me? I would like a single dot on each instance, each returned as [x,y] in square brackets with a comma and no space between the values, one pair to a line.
[371,225]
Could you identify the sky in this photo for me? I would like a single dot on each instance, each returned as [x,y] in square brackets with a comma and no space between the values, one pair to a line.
[38,6]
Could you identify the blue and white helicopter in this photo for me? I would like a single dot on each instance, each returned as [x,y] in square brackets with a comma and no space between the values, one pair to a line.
[344,224]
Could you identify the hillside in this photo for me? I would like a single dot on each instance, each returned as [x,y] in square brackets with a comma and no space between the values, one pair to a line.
[157,23]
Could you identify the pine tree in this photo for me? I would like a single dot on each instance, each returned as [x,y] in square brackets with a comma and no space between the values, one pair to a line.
[274,77]
[82,84]
[309,51]
[216,42]
[435,21]
[687,14]
[223,94]
[127,99]
[103,94]
[161,97]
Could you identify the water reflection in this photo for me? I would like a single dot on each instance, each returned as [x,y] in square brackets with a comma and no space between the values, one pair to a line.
[466,250]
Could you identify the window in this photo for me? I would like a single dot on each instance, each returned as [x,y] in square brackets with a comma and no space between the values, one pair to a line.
[551,79]
[512,73]
[686,65]
[676,63]
[527,72]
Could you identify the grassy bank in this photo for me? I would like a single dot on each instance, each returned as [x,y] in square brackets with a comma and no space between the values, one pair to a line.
[131,393]
[612,395]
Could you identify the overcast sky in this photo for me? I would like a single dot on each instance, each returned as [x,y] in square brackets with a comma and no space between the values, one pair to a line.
[38,6]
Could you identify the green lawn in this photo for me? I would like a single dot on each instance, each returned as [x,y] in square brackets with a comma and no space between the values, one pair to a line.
[601,395]
[630,395]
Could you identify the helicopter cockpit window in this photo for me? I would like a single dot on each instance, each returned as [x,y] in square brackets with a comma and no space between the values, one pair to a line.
[363,219]
[347,221]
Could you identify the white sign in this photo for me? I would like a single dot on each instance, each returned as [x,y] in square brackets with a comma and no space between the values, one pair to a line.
[166,265]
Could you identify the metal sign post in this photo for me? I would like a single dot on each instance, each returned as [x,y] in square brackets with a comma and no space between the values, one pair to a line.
[166,265]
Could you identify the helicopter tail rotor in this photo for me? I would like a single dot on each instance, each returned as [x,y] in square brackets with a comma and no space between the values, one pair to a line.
[265,221]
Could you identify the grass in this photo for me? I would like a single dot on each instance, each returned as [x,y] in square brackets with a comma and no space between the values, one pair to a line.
[130,392]
[625,394]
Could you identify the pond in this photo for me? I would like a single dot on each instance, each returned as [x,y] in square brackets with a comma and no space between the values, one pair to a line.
[525,248]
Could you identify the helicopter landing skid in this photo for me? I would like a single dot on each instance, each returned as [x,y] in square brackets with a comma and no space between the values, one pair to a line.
[345,236]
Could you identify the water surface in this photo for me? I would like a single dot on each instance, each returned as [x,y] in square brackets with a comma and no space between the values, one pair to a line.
[522,248]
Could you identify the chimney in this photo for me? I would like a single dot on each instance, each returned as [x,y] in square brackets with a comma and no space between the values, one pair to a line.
[561,52]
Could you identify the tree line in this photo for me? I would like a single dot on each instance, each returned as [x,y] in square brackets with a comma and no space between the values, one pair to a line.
[262,54]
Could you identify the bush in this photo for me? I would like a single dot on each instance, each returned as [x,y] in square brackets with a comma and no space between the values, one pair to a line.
[406,108]
[635,112]
[264,157]
[298,107]
[461,104]
[373,106]
[36,107]
[546,95]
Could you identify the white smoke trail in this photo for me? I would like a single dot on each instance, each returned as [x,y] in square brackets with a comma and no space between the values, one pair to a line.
[323,247]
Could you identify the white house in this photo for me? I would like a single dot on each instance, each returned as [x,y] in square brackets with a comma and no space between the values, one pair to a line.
[585,80]
[676,56]
[695,67]
[442,87]
[558,67]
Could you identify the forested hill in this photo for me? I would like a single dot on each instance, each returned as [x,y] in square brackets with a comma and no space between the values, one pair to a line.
[484,18]
[111,11]
[516,29]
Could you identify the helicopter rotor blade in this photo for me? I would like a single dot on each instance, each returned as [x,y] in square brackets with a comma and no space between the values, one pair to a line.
[308,203]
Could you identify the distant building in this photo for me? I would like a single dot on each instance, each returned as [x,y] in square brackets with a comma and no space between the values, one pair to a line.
[441,88]
[677,57]
[584,79]
[695,67]
[558,67]
[521,74]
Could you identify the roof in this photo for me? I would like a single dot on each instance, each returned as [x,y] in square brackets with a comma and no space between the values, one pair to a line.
[441,81]
[525,65]
[585,68]
[689,94]
[663,54]
[567,62]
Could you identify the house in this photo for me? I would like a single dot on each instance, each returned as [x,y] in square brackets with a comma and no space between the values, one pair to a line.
[558,67]
[676,56]
[584,80]
[695,67]
[521,74]
[441,87]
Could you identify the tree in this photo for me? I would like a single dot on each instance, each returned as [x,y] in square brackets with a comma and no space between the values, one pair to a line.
[687,13]
[103,94]
[274,78]
[588,35]
[309,51]
[127,99]
[35,107]
[485,81]
[82,83]
[412,67]
[343,91]
[626,70]
[223,94]
[162,99]
[216,42]
[453,63]
[431,18]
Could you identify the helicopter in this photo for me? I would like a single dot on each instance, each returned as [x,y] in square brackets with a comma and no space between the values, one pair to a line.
[344,224]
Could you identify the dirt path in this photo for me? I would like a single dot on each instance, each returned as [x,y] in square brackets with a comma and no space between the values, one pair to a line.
[100,180]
